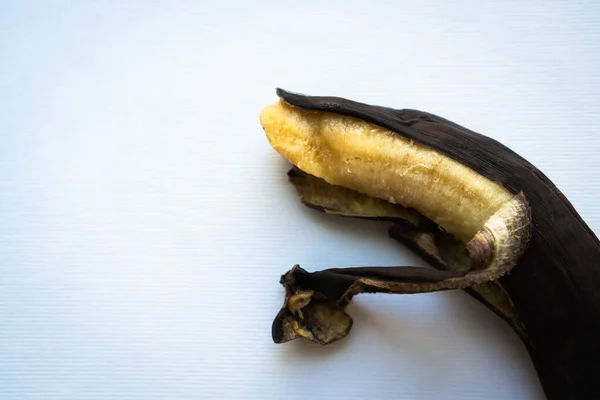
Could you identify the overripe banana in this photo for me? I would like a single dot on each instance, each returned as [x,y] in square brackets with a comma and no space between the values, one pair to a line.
[489,222]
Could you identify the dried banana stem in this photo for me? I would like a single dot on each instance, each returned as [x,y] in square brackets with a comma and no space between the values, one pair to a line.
[481,193]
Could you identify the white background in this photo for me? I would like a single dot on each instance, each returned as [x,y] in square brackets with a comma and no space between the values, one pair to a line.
[145,221]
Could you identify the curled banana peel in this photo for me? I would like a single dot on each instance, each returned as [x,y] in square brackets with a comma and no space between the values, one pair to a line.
[422,235]
[471,207]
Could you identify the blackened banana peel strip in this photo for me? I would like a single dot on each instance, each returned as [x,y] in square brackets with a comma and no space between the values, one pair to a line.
[476,189]
[420,234]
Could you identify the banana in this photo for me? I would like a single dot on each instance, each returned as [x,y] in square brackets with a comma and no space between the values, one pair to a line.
[489,221]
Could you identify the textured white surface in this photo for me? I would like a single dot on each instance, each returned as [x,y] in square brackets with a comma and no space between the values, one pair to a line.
[144,219]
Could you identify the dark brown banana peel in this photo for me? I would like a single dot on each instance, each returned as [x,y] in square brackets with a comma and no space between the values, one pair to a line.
[551,297]
[420,234]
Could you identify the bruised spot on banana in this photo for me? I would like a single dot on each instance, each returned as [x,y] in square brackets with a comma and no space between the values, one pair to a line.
[473,208]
